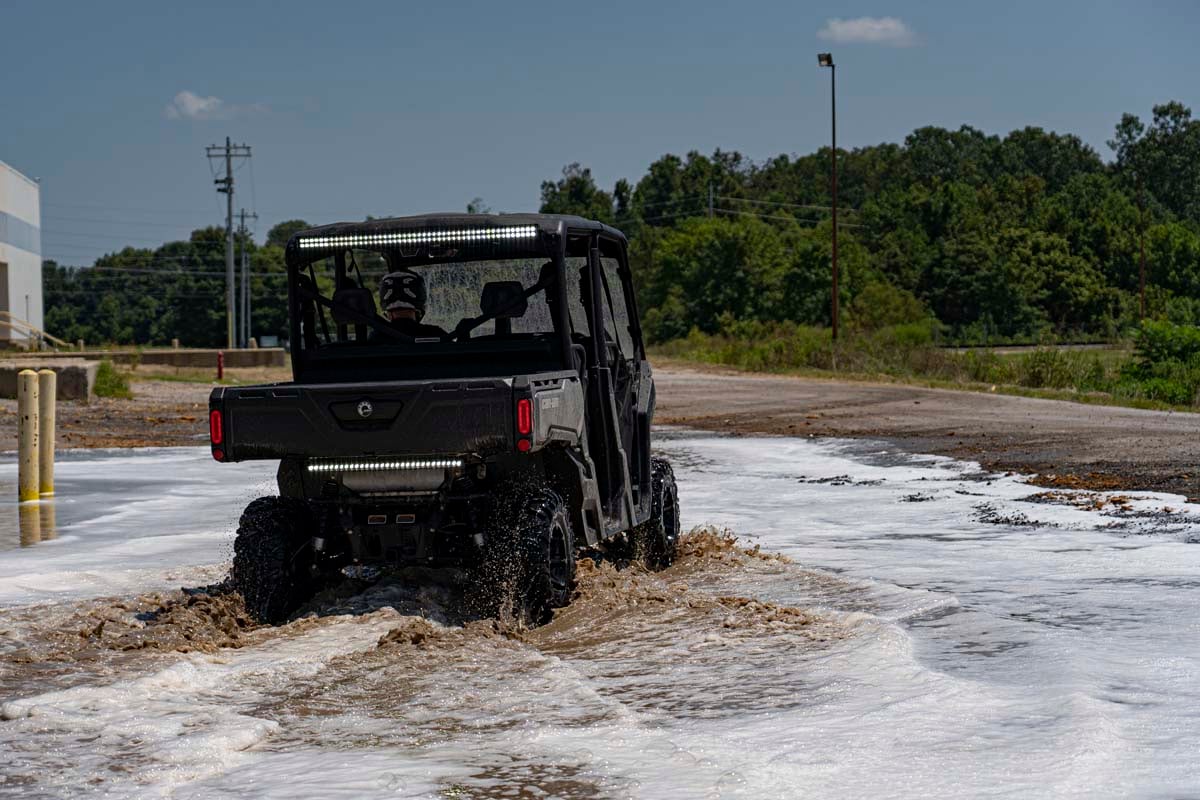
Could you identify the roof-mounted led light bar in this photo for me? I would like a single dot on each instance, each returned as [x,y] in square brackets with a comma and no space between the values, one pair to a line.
[421,237]
[385,464]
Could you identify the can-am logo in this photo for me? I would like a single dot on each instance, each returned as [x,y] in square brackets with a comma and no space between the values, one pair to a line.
[365,409]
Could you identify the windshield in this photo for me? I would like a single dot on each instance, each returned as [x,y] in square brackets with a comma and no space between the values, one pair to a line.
[358,305]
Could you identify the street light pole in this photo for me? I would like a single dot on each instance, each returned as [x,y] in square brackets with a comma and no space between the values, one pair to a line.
[1142,249]
[826,60]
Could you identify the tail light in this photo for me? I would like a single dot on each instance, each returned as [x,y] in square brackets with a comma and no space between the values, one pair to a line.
[524,424]
[216,427]
[524,416]
[216,433]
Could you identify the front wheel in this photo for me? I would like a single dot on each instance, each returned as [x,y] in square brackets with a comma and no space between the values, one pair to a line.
[273,558]
[656,540]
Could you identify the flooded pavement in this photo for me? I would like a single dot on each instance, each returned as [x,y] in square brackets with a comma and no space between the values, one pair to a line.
[884,626]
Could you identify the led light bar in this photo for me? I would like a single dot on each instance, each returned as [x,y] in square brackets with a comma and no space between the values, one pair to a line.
[422,237]
[385,464]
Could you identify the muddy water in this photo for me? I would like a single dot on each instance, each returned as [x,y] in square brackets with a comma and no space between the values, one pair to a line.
[423,678]
[883,626]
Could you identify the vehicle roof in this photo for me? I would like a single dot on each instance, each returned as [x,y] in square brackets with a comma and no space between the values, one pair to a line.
[546,223]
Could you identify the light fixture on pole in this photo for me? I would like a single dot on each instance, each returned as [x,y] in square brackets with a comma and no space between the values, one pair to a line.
[826,60]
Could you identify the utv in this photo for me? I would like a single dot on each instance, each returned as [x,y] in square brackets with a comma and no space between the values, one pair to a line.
[502,433]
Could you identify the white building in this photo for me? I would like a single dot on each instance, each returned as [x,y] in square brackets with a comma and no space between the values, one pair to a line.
[20,255]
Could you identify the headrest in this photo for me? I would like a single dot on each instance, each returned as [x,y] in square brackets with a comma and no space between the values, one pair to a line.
[352,304]
[503,300]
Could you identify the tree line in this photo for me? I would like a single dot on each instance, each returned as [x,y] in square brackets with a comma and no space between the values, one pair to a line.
[1024,236]
[987,238]
[149,296]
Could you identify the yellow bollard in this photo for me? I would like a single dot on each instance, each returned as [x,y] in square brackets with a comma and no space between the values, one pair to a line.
[27,435]
[47,396]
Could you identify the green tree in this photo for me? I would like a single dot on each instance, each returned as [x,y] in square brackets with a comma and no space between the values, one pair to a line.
[1165,155]
[576,193]
[720,266]
[279,234]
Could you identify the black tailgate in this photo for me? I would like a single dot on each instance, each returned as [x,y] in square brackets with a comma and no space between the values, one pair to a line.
[401,417]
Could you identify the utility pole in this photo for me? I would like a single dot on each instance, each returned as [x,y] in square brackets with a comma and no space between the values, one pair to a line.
[710,200]
[225,186]
[826,60]
[1142,248]
[244,232]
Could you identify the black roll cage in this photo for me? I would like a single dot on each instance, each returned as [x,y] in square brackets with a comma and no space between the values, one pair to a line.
[550,244]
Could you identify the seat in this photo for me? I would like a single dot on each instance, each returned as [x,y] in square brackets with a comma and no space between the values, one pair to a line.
[503,301]
[353,305]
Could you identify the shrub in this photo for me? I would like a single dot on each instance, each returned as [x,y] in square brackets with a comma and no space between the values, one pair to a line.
[984,366]
[880,304]
[110,383]
[1047,368]
[1161,342]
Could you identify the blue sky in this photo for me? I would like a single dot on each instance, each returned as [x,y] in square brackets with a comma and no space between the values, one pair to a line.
[394,108]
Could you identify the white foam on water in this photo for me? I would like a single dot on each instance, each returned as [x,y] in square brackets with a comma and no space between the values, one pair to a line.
[994,644]
[127,521]
[174,726]
[1054,655]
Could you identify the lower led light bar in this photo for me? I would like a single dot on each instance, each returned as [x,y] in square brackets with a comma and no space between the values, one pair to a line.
[421,237]
[385,464]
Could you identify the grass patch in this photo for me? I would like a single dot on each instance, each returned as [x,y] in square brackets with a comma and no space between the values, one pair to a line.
[111,383]
[906,354]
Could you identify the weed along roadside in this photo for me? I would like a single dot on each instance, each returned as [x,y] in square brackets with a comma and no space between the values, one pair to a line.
[1158,368]
[110,382]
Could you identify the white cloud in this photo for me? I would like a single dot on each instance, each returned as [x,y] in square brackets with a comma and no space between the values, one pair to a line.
[869,30]
[189,105]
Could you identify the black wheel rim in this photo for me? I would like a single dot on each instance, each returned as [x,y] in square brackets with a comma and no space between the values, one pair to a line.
[670,524]
[560,567]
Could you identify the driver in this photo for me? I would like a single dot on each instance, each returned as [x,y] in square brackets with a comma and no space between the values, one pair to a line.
[403,297]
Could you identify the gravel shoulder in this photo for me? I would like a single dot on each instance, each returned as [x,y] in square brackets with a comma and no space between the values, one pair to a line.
[1066,444]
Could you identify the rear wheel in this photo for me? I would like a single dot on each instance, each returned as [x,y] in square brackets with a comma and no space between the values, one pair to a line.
[528,567]
[273,558]
[549,545]
[656,541]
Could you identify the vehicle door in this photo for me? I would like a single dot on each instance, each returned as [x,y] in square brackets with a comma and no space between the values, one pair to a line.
[622,349]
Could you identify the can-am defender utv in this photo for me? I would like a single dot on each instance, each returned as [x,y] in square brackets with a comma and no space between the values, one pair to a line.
[506,431]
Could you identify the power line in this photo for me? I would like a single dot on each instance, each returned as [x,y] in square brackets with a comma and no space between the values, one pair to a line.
[100,236]
[160,211]
[154,296]
[761,215]
[758,214]
[139,256]
[164,273]
[138,223]
[789,205]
